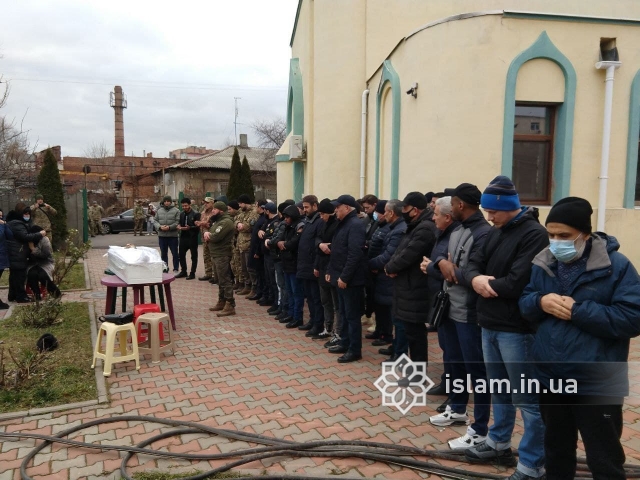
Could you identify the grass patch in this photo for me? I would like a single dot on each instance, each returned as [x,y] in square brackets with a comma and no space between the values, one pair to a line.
[74,280]
[65,376]
[171,476]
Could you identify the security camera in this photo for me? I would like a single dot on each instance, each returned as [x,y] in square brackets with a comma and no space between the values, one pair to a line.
[413,91]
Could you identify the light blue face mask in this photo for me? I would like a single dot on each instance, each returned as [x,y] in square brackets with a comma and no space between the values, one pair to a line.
[375,215]
[565,250]
[26,219]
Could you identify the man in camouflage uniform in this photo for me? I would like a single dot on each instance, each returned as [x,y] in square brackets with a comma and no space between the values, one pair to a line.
[220,242]
[96,215]
[236,258]
[41,214]
[138,218]
[204,224]
[244,221]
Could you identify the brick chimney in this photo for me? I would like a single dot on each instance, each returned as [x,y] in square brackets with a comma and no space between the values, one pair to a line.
[118,102]
[243,140]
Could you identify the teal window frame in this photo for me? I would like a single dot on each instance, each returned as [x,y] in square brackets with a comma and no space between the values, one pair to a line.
[389,75]
[629,200]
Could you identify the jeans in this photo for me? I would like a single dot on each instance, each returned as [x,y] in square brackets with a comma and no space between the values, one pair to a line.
[329,299]
[463,344]
[350,309]
[149,225]
[508,356]
[296,295]
[167,243]
[270,279]
[188,242]
[283,297]
[400,341]
[600,427]
[312,292]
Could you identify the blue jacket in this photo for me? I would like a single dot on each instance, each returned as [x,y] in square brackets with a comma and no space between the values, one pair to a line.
[347,260]
[5,234]
[307,247]
[593,347]
[383,283]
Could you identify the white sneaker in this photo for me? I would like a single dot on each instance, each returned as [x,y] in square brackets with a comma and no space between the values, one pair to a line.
[468,440]
[448,417]
[372,328]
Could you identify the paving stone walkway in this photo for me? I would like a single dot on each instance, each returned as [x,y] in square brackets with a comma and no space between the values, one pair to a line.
[246,373]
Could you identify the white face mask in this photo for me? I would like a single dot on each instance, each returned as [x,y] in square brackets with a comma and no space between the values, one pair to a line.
[375,215]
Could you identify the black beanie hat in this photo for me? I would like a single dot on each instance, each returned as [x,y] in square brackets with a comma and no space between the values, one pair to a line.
[325,206]
[233,204]
[380,204]
[416,199]
[244,198]
[573,211]
[468,193]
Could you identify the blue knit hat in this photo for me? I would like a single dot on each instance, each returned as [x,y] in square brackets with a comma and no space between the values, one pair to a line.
[500,195]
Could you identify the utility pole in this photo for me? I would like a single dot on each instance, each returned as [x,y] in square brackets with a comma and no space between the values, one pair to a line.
[235,121]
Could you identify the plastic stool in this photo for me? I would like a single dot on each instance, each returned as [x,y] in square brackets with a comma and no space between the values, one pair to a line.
[107,355]
[153,344]
[147,308]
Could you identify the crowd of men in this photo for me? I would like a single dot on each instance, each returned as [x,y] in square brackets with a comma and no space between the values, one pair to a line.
[554,303]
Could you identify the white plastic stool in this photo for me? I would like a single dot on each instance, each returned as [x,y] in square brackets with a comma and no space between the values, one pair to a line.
[153,344]
[107,355]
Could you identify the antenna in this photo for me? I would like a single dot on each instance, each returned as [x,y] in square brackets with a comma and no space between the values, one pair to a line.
[235,121]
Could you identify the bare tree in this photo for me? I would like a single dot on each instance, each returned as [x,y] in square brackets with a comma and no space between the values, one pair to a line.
[97,150]
[271,135]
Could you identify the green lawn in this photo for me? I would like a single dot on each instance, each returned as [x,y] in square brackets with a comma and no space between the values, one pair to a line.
[75,278]
[65,376]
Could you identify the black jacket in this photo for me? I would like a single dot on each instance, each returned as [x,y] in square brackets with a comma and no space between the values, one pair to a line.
[440,250]
[269,230]
[189,219]
[256,242]
[18,247]
[307,247]
[291,238]
[347,261]
[507,254]
[325,235]
[411,301]
[391,237]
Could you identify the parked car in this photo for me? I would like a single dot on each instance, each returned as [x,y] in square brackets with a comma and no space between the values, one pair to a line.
[121,223]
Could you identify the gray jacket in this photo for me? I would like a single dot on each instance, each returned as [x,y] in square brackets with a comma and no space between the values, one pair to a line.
[169,217]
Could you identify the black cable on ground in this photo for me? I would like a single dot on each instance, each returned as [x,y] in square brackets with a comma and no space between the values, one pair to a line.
[380,452]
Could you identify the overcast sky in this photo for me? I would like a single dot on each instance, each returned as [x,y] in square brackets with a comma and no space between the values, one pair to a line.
[180,64]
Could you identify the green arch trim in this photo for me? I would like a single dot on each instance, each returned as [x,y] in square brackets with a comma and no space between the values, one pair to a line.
[295,123]
[543,47]
[389,75]
[632,144]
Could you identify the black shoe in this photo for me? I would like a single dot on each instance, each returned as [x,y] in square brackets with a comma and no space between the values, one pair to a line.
[264,302]
[24,300]
[312,333]
[386,351]
[483,453]
[286,319]
[205,278]
[518,475]
[282,315]
[372,336]
[255,296]
[337,349]
[3,306]
[276,313]
[273,309]
[332,343]
[321,336]
[349,357]
[306,326]
[213,281]
[11,299]
[294,323]
[191,276]
[438,390]
[181,275]
[382,341]
[442,408]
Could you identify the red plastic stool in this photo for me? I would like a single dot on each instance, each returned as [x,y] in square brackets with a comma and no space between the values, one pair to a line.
[146,308]
[43,291]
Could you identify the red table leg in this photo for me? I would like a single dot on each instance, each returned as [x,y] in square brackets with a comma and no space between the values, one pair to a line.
[167,293]
[108,306]
[136,295]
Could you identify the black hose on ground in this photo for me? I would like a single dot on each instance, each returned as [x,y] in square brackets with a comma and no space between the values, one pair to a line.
[379,452]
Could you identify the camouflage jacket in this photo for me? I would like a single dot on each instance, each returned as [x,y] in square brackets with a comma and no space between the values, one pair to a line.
[248,219]
[96,212]
[205,216]
[138,213]
[41,216]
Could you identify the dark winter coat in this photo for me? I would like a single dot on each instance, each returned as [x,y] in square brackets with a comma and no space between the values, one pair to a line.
[391,234]
[411,301]
[593,347]
[291,238]
[375,243]
[325,235]
[269,231]
[5,236]
[440,251]
[307,247]
[506,255]
[347,259]
[18,248]
[188,220]
[256,242]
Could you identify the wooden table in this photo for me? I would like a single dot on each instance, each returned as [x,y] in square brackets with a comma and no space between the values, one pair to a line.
[113,282]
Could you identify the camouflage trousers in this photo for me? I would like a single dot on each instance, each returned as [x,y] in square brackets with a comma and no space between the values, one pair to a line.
[94,227]
[236,266]
[137,226]
[208,262]
[225,286]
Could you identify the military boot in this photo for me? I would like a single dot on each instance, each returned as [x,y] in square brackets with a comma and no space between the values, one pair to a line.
[247,290]
[229,309]
[219,306]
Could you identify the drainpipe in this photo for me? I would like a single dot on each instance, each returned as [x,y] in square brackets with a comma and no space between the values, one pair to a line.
[610,67]
[363,141]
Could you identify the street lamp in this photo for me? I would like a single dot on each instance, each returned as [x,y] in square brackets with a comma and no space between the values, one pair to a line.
[86,169]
